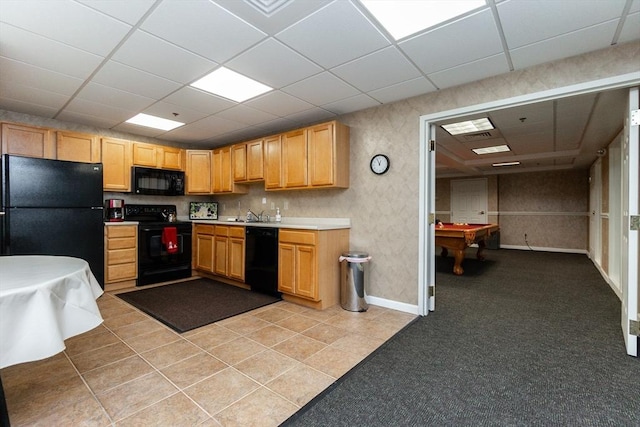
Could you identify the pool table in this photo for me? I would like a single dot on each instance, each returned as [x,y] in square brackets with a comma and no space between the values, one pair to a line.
[458,237]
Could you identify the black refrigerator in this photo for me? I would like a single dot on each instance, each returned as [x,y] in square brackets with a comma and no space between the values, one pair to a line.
[52,207]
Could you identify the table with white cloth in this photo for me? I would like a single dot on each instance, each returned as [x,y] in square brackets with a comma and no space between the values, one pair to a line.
[43,301]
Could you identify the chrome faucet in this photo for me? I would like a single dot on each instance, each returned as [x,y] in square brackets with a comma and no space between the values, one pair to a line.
[251,217]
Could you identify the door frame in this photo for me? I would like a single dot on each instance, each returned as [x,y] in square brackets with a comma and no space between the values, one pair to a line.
[427,144]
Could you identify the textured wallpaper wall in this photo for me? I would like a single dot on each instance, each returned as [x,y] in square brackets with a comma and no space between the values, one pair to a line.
[384,209]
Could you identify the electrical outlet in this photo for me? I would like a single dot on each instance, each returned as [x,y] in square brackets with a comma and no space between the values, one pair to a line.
[264,200]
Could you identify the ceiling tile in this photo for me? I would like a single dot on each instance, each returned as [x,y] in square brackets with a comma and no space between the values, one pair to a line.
[198,100]
[471,38]
[114,98]
[471,71]
[334,35]
[321,89]
[211,31]
[355,103]
[265,63]
[167,110]
[246,115]
[110,114]
[406,89]
[151,54]
[28,75]
[526,22]
[100,121]
[279,104]
[27,47]
[20,106]
[582,41]
[377,70]
[75,24]
[132,80]
[631,29]
[124,10]
[32,95]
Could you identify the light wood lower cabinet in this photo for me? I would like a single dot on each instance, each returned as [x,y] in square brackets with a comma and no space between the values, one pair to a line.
[219,250]
[308,266]
[121,256]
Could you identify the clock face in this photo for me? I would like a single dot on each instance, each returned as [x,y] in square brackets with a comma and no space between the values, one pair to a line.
[379,164]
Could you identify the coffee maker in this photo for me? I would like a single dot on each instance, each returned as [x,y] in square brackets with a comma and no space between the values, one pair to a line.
[114,210]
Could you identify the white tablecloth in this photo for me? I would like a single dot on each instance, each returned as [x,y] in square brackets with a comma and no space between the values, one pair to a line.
[43,301]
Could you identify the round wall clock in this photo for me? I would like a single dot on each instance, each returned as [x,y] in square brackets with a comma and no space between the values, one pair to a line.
[379,164]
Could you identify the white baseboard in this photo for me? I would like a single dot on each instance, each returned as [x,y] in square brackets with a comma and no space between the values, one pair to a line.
[543,249]
[394,305]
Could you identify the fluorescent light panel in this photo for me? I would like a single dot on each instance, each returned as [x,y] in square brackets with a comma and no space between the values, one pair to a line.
[154,122]
[505,164]
[469,126]
[491,150]
[231,85]
[405,17]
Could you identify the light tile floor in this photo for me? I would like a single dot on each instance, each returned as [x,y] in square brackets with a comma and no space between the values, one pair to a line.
[255,369]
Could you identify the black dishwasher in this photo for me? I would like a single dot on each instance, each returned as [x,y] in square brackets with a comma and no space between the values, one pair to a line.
[261,259]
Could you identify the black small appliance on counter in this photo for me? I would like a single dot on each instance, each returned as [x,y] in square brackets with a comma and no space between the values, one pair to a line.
[158,231]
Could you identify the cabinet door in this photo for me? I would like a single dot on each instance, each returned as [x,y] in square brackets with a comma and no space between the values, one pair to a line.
[29,141]
[198,174]
[306,284]
[294,159]
[204,252]
[171,158]
[255,161]
[77,147]
[239,162]
[321,155]
[221,255]
[273,162]
[116,165]
[226,182]
[236,258]
[216,170]
[286,268]
[145,155]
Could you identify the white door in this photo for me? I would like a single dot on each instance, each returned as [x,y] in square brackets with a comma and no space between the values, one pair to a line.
[469,201]
[427,214]
[630,213]
[595,203]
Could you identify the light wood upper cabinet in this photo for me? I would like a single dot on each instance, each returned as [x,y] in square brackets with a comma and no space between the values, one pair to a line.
[27,141]
[78,147]
[116,165]
[273,162]
[239,162]
[222,174]
[294,159]
[328,158]
[198,173]
[248,161]
[158,156]
[313,157]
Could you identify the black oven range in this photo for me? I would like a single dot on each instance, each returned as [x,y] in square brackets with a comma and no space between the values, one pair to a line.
[164,244]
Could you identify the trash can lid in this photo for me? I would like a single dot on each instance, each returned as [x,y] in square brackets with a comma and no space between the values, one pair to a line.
[355,254]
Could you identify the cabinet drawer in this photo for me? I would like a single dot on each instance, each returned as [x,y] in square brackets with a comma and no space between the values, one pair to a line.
[236,232]
[205,229]
[122,243]
[222,230]
[121,231]
[121,256]
[297,236]
[121,272]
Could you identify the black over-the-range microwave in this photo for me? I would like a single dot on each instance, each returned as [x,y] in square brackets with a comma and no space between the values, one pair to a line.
[157,182]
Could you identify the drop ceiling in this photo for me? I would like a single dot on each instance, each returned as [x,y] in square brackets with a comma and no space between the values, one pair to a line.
[100,62]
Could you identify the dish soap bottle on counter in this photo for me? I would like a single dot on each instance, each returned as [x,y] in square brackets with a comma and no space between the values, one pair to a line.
[278,216]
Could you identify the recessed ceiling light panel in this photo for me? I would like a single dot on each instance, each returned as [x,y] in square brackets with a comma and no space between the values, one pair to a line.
[154,122]
[231,85]
[505,164]
[469,126]
[491,150]
[405,17]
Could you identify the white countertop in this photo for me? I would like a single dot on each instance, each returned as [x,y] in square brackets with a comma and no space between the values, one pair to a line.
[288,222]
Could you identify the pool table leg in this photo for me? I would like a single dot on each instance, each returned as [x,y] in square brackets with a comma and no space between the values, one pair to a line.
[481,246]
[457,266]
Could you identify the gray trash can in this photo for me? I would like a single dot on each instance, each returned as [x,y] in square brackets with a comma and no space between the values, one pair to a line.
[354,276]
